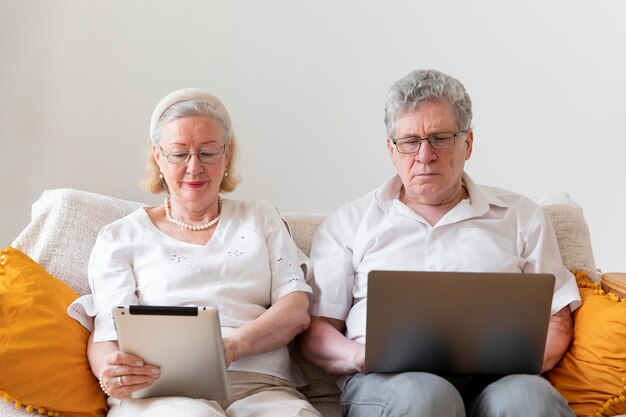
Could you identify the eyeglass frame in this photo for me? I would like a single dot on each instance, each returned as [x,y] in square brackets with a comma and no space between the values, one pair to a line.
[190,154]
[430,139]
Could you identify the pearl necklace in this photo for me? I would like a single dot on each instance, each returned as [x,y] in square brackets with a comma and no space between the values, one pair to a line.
[191,227]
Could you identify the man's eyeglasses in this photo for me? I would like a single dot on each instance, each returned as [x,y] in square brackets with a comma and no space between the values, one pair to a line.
[412,144]
[206,156]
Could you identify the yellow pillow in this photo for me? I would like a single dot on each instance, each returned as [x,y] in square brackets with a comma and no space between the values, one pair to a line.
[592,373]
[43,358]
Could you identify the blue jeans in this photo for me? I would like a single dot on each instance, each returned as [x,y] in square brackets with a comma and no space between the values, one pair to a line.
[419,394]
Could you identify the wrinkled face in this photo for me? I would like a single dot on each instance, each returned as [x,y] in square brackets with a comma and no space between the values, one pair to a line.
[431,176]
[193,182]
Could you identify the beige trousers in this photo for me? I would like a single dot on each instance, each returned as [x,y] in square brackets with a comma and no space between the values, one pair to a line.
[251,395]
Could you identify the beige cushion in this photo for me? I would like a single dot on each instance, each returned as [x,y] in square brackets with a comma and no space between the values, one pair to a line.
[572,233]
[303,227]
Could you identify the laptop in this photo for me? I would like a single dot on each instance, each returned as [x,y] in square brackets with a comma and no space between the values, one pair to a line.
[185,342]
[457,322]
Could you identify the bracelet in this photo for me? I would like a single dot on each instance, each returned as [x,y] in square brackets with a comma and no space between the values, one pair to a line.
[102,385]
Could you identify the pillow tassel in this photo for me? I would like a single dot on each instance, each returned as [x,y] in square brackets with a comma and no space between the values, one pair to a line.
[29,408]
[6,397]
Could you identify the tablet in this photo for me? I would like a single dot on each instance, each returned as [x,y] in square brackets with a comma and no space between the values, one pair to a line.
[184,342]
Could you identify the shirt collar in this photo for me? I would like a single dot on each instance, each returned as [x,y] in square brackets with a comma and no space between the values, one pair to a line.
[481,198]
[389,192]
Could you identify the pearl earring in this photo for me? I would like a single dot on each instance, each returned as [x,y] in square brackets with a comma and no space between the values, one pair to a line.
[161,175]
[226,173]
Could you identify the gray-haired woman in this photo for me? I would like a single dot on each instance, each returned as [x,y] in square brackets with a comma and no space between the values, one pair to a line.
[198,248]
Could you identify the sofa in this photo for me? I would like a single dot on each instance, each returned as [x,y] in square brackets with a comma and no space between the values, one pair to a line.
[56,244]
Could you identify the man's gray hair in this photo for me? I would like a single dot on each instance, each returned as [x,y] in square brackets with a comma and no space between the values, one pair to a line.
[406,94]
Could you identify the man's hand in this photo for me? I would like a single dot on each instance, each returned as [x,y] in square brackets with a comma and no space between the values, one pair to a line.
[560,334]
[324,345]
[358,359]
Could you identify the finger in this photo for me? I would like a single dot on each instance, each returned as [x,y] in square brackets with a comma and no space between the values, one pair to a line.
[130,380]
[122,358]
[146,370]
[120,363]
[124,385]
[117,379]
[126,390]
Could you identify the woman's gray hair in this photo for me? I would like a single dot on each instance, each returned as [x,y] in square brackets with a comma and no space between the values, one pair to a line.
[193,108]
[406,94]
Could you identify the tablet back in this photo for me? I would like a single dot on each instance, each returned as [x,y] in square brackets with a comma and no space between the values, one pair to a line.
[457,322]
[185,342]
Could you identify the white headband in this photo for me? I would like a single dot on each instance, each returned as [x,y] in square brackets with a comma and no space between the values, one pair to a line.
[185,94]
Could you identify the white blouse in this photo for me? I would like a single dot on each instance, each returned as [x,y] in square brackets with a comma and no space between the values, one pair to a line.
[249,263]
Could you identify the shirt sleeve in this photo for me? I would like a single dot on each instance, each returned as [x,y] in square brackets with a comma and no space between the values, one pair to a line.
[542,255]
[333,270]
[112,282]
[284,257]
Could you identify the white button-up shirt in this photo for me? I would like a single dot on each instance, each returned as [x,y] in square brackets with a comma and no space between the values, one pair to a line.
[492,231]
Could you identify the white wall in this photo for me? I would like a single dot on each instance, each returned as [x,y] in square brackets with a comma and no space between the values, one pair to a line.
[305,83]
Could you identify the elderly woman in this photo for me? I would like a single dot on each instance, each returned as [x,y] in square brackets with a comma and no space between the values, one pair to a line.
[199,248]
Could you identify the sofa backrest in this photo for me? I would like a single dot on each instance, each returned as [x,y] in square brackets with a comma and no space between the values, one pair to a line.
[303,227]
[65,223]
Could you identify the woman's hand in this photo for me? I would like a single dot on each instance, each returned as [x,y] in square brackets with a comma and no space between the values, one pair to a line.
[120,373]
[271,330]
[124,374]
[232,351]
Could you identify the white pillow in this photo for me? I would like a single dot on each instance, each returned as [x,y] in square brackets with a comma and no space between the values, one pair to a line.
[63,229]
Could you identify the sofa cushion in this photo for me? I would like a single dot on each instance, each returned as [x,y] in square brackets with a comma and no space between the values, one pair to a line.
[322,387]
[303,227]
[43,360]
[572,233]
[7,409]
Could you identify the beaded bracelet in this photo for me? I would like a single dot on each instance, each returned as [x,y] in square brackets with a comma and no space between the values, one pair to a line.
[102,385]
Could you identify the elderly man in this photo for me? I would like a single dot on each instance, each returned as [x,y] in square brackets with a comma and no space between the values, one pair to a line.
[429,137]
